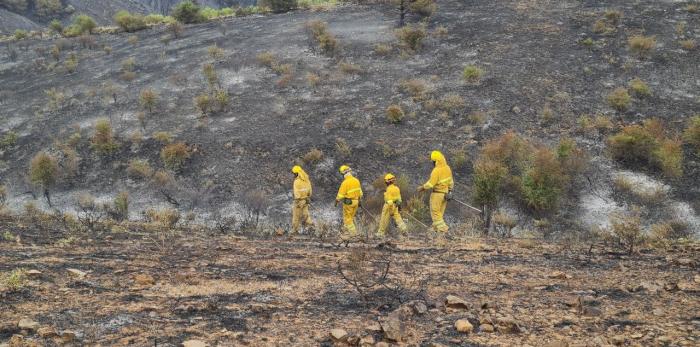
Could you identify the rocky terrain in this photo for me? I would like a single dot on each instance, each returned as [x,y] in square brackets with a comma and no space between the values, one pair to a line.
[230,291]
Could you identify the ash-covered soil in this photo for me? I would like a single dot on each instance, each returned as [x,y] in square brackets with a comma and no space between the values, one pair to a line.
[232,291]
[531,53]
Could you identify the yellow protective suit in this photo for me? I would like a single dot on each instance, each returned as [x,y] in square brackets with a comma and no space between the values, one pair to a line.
[392,201]
[349,195]
[300,208]
[440,182]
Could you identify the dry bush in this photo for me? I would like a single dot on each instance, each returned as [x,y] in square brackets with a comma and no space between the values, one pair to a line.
[175,155]
[423,8]
[394,114]
[313,79]
[71,64]
[640,88]
[350,68]
[163,179]
[543,184]
[132,40]
[148,99]
[642,45]
[103,139]
[472,73]
[414,87]
[91,214]
[411,37]
[222,99]
[3,195]
[504,223]
[203,103]
[313,156]
[440,31]
[382,49]
[176,29]
[668,156]
[627,229]
[215,53]
[266,59]
[44,171]
[8,140]
[120,210]
[645,196]
[139,168]
[619,99]
[573,159]
[670,231]
[14,281]
[688,45]
[256,203]
[163,137]
[326,41]
[691,135]
[166,218]
[451,103]
[129,22]
[342,147]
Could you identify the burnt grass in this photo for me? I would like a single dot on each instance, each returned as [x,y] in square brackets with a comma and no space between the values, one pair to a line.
[228,291]
[531,52]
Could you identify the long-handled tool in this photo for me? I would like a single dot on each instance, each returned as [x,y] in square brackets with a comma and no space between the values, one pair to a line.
[467,205]
[416,220]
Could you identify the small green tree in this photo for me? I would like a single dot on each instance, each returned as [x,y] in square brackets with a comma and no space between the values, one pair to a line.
[103,138]
[43,173]
[130,22]
[56,26]
[188,12]
[489,176]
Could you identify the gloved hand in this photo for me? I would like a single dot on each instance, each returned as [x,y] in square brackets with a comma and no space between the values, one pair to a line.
[448,196]
[336,203]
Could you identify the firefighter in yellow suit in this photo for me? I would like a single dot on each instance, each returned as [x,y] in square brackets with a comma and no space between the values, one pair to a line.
[392,207]
[441,184]
[302,196]
[349,194]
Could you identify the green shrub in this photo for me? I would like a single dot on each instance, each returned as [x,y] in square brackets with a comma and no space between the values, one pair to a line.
[46,8]
[163,136]
[158,19]
[3,196]
[642,45]
[394,114]
[210,74]
[121,206]
[8,140]
[646,144]
[639,87]
[175,155]
[691,135]
[668,156]
[222,98]
[573,159]
[130,22]
[188,12]
[20,34]
[213,13]
[489,177]
[472,73]
[278,6]
[56,26]
[542,185]
[43,170]
[103,139]
[14,281]
[411,36]
[203,103]
[82,24]
[619,99]
[71,64]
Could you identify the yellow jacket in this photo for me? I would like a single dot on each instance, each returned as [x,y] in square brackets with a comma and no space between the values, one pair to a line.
[350,189]
[302,186]
[441,178]
[392,195]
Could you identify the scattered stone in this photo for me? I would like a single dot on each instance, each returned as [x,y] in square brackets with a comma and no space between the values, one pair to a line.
[77,273]
[617,340]
[393,327]
[591,311]
[339,334]
[27,324]
[381,344]
[487,328]
[47,332]
[516,109]
[453,301]
[16,340]
[684,261]
[144,280]
[508,325]
[488,305]
[419,307]
[34,274]
[559,275]
[649,287]
[374,327]
[463,326]
[68,336]
[696,278]
[367,341]
[194,343]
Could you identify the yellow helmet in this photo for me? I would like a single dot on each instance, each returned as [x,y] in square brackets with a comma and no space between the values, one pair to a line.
[435,155]
[389,177]
[296,169]
[343,169]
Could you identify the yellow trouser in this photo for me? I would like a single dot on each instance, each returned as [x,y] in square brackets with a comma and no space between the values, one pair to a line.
[389,211]
[349,216]
[300,213]
[438,204]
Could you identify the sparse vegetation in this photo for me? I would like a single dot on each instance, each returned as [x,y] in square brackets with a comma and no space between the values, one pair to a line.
[326,41]
[394,114]
[163,137]
[692,133]
[313,156]
[13,281]
[411,37]
[642,45]
[120,211]
[148,99]
[619,99]
[82,24]
[647,145]
[472,73]
[203,103]
[688,45]
[139,168]
[215,53]
[44,172]
[175,155]
[8,140]
[103,139]
[640,88]
[627,230]
[188,12]
[130,22]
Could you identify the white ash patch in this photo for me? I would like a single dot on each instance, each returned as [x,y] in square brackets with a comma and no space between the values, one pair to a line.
[643,184]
